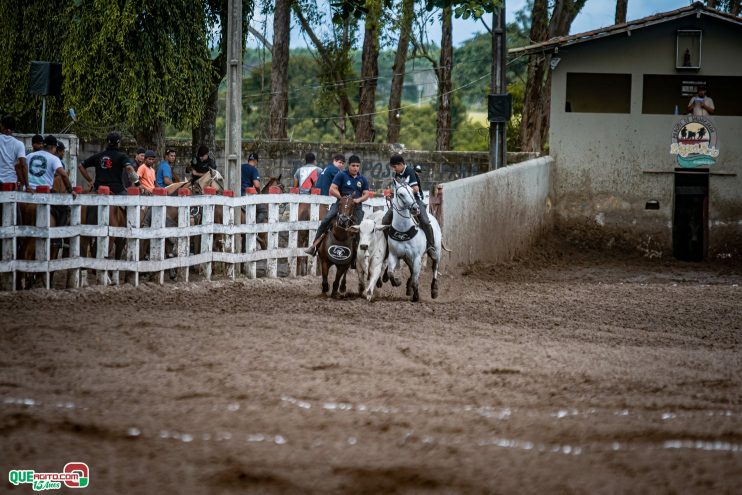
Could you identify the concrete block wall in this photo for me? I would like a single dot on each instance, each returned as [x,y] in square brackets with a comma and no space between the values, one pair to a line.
[496,215]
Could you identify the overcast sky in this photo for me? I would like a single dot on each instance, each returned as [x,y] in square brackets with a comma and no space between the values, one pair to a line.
[595,14]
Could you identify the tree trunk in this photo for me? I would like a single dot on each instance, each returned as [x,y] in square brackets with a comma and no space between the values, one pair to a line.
[205,132]
[400,60]
[279,99]
[152,137]
[621,6]
[365,131]
[537,104]
[443,122]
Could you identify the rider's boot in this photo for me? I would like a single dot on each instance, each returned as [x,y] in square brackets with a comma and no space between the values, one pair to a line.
[312,250]
[430,249]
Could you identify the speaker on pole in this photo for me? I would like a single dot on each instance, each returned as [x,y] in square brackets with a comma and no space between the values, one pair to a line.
[46,78]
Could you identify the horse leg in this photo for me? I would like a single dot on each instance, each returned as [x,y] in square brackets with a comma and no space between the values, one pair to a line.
[325,271]
[409,286]
[391,266]
[339,278]
[434,283]
[342,281]
[415,277]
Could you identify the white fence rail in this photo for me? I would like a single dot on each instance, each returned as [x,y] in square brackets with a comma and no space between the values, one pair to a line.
[237,248]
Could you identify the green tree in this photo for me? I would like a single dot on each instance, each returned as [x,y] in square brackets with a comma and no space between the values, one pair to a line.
[31,30]
[129,65]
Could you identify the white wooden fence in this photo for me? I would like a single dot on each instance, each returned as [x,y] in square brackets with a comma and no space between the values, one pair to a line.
[238,257]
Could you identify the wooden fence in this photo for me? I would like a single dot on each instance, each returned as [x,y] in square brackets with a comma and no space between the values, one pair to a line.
[237,248]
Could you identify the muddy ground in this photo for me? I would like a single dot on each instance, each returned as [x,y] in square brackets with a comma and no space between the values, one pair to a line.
[564,372]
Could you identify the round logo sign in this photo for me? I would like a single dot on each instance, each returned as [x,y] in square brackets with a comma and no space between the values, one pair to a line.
[339,253]
[694,142]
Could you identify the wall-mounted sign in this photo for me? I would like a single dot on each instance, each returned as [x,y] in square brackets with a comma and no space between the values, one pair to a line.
[694,142]
[690,88]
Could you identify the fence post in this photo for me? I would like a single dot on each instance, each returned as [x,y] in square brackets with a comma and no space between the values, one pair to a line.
[133,221]
[9,243]
[314,217]
[102,242]
[250,239]
[293,238]
[43,215]
[207,240]
[228,218]
[272,263]
[75,221]
[184,242]
[157,246]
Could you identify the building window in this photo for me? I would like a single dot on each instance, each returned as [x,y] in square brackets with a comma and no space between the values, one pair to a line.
[688,49]
[668,94]
[598,93]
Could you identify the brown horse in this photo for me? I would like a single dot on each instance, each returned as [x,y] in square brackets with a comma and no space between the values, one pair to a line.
[337,247]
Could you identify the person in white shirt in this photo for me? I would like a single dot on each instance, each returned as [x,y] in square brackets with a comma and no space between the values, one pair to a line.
[701,104]
[45,164]
[306,177]
[12,155]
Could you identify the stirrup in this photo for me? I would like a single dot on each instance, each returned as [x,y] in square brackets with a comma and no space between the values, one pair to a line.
[311,250]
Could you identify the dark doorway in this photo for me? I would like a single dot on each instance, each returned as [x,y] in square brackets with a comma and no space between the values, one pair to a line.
[690,215]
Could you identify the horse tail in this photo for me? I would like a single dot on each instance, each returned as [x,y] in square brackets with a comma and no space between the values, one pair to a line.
[443,246]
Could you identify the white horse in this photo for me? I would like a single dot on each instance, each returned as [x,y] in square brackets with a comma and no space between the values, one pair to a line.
[407,241]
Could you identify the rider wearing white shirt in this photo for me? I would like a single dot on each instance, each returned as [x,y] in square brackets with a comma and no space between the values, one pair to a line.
[306,177]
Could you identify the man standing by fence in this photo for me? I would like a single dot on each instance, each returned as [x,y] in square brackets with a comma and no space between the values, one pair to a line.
[44,164]
[12,155]
[110,166]
[328,174]
[306,177]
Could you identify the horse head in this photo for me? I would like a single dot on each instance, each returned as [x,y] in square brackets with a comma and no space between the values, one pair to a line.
[273,182]
[345,212]
[404,198]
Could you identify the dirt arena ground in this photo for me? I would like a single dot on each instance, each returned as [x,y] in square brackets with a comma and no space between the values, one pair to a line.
[564,373]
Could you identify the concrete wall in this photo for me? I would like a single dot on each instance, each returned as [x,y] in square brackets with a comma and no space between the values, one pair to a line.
[603,159]
[496,215]
[283,158]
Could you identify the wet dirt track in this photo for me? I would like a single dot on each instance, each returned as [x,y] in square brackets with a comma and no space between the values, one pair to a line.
[597,375]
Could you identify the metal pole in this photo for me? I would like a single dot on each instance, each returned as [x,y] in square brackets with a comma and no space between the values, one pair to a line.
[498,130]
[43,113]
[233,140]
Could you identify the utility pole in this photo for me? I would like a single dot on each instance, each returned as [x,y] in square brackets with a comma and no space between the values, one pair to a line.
[233,144]
[499,107]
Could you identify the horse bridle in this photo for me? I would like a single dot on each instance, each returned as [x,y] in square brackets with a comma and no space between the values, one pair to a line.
[409,208]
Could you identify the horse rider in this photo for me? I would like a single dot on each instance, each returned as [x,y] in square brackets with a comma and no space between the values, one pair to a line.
[201,164]
[12,155]
[110,166]
[407,174]
[306,177]
[346,183]
[328,174]
[44,164]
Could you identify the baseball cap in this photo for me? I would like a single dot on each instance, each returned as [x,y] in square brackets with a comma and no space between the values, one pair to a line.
[50,140]
[37,138]
[396,159]
[354,159]
[149,154]
[140,150]
[61,146]
[202,150]
[113,138]
[252,156]
[309,157]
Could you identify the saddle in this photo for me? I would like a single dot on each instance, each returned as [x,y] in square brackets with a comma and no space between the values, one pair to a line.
[403,236]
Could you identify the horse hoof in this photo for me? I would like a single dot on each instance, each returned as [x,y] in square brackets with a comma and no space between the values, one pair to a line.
[173,274]
[415,296]
[342,289]
[409,291]
[434,293]
[385,277]
[395,281]
[378,284]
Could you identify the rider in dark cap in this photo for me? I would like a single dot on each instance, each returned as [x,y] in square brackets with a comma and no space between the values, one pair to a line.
[112,167]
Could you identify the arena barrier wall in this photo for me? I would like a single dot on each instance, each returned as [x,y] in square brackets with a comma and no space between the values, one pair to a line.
[237,257]
[492,217]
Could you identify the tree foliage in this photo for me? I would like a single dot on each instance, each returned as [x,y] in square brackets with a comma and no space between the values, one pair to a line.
[130,66]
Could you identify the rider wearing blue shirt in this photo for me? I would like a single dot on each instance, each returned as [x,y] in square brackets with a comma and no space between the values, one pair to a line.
[249,175]
[164,175]
[346,183]
[328,174]
[405,173]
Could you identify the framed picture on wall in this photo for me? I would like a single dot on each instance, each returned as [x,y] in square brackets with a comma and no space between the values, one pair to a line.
[688,49]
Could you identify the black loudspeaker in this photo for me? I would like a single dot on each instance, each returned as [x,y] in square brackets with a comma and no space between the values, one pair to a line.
[499,107]
[46,78]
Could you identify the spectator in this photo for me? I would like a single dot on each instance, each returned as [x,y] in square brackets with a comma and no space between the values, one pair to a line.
[12,155]
[110,166]
[328,174]
[201,163]
[37,144]
[146,171]
[165,175]
[701,104]
[249,174]
[306,177]
[44,164]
